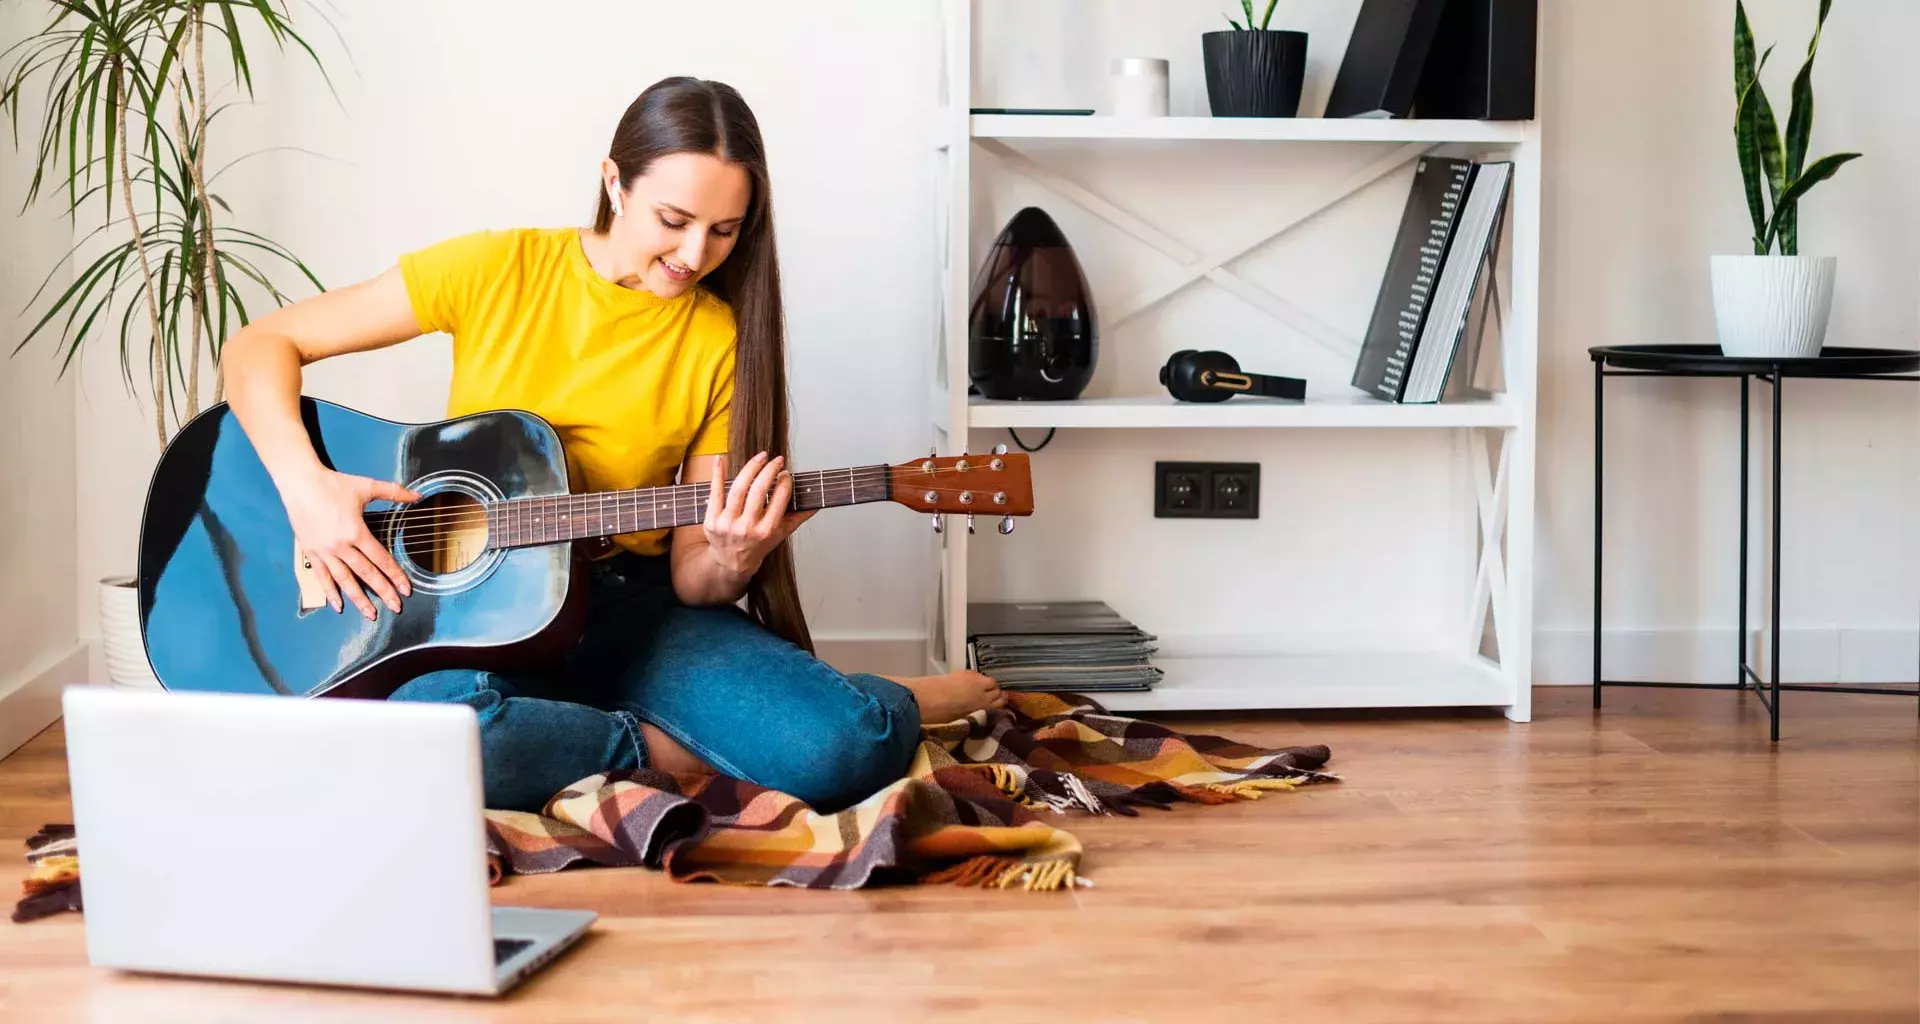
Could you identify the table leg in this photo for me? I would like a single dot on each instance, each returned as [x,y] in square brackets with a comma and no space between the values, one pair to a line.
[1740,666]
[1599,402]
[1779,385]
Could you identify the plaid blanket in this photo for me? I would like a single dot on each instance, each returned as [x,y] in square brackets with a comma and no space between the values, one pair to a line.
[968,812]
[53,881]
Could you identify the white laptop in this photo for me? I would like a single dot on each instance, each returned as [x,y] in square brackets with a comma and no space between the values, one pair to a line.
[323,840]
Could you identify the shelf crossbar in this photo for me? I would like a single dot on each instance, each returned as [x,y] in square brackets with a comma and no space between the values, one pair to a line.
[1194,264]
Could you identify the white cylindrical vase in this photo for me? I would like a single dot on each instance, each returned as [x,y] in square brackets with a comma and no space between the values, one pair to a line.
[1767,307]
[1137,87]
[122,648]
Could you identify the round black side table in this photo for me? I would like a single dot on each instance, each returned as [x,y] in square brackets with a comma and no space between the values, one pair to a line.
[1875,364]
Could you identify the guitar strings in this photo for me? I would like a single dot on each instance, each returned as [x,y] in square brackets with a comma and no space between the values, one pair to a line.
[681,498]
[480,518]
[407,519]
[495,513]
[867,474]
[584,503]
[587,502]
[652,495]
[640,496]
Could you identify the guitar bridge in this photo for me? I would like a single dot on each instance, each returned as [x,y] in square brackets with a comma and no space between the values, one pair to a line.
[313,593]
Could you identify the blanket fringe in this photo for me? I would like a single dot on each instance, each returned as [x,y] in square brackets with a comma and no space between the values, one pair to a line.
[1050,876]
[1254,789]
[989,872]
[1204,794]
[1011,784]
[972,871]
[1233,792]
[50,873]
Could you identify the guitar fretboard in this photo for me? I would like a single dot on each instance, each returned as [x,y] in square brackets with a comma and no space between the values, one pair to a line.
[521,522]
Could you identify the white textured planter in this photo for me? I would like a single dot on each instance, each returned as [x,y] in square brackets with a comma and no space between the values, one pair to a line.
[126,656]
[1772,306]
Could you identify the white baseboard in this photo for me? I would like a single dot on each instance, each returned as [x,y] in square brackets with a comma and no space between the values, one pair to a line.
[1565,657]
[881,652]
[1561,657]
[30,701]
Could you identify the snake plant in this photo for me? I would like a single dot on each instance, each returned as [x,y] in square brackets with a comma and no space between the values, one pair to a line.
[1757,139]
[1247,6]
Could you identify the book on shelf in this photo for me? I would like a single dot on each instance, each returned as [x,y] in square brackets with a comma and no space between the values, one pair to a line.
[1480,65]
[1418,335]
[1082,646]
[1380,72]
[1464,59]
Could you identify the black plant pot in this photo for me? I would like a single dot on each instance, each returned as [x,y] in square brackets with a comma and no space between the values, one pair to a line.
[1031,333]
[1254,73]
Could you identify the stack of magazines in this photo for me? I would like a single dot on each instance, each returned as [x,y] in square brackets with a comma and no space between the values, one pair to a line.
[1079,646]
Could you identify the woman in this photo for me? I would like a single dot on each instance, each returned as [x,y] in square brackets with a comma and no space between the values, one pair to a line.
[653,342]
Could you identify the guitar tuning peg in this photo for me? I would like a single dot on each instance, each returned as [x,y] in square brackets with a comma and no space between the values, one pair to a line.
[969,523]
[936,522]
[1006,525]
[1000,449]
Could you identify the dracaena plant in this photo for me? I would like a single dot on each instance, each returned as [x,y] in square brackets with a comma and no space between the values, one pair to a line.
[1247,7]
[1757,137]
[125,120]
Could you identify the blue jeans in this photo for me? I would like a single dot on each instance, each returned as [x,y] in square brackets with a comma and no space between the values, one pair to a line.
[740,698]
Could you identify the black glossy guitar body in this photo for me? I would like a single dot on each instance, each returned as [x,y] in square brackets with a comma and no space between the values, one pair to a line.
[221,601]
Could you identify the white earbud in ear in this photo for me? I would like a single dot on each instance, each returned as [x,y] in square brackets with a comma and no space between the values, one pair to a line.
[615,196]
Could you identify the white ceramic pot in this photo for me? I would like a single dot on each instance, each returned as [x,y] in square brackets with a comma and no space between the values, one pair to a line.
[126,656]
[1772,306]
[1138,87]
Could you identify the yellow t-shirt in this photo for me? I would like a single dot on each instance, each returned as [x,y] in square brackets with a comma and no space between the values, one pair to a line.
[635,384]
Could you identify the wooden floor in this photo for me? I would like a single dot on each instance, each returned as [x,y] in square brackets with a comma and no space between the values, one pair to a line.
[1658,860]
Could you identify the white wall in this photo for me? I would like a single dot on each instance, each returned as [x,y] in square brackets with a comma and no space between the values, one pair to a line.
[1642,185]
[37,584]
[498,116]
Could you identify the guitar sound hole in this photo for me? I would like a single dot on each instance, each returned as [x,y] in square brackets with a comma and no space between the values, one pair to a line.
[444,533]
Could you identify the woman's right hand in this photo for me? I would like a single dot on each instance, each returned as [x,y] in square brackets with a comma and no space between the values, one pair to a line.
[327,511]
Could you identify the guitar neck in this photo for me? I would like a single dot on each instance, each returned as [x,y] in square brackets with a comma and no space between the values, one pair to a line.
[522,522]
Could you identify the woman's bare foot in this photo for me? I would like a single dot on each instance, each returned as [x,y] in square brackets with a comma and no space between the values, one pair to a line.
[664,753]
[952,696]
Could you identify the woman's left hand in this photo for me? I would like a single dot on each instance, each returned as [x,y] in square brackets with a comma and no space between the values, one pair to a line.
[750,519]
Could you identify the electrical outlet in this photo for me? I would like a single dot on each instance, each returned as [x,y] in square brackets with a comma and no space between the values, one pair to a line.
[1236,492]
[1206,490]
[1181,490]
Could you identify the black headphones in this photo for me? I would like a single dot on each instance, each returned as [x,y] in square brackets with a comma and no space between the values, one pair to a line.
[1210,376]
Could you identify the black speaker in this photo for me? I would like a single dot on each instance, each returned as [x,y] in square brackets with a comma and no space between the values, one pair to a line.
[1480,66]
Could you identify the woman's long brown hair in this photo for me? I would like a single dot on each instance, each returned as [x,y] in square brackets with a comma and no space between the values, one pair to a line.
[689,115]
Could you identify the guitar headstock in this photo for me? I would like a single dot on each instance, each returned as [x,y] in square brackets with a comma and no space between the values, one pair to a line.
[992,484]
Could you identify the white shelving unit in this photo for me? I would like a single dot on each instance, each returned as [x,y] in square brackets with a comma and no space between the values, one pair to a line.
[1241,129]
[1496,435]
[1337,409]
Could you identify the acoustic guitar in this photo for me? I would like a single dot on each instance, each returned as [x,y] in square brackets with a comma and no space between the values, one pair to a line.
[494,550]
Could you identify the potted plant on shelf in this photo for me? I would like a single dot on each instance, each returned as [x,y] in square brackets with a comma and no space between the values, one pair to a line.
[1766,304]
[1254,71]
[122,87]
